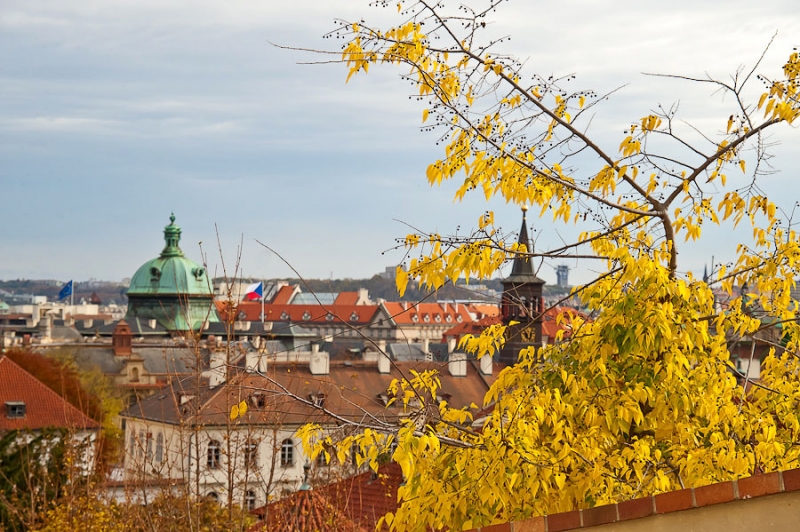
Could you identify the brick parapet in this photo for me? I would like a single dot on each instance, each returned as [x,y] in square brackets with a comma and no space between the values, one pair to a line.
[674,501]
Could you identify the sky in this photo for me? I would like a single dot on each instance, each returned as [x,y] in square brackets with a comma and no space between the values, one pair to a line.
[115,114]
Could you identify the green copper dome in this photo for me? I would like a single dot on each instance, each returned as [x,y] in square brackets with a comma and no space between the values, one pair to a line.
[173,290]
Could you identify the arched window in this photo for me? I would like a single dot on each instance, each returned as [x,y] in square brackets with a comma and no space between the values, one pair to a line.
[213,454]
[134,374]
[140,444]
[149,446]
[251,453]
[159,447]
[287,453]
[132,450]
[250,500]
[213,496]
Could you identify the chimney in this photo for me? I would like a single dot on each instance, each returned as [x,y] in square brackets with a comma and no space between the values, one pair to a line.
[486,364]
[255,361]
[451,344]
[121,339]
[384,364]
[217,372]
[152,323]
[458,364]
[320,361]
[426,346]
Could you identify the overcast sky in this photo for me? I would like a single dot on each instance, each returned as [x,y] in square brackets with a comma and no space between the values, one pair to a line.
[114,114]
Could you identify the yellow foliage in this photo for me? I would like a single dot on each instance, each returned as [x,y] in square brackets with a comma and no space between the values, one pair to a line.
[642,399]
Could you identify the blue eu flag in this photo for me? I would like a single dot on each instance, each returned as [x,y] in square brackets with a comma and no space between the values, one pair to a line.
[66,291]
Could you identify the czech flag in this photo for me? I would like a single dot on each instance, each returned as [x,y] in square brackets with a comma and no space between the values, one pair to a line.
[254,291]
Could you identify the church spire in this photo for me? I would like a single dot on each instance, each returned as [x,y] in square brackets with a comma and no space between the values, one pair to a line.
[522,267]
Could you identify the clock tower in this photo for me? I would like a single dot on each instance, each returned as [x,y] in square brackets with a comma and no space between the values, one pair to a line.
[522,302]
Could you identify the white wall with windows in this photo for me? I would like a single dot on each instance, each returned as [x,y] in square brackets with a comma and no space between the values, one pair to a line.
[251,464]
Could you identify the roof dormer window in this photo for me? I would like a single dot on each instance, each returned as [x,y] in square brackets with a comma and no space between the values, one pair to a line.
[426,318]
[437,318]
[329,316]
[414,318]
[354,316]
[448,318]
[15,409]
[284,315]
[306,315]
[318,399]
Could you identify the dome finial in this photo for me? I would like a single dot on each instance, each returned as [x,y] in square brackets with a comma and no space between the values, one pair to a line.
[172,237]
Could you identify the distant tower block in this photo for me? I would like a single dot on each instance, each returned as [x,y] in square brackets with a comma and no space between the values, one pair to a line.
[562,275]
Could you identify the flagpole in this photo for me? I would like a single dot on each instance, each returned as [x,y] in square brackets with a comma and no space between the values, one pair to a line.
[262,307]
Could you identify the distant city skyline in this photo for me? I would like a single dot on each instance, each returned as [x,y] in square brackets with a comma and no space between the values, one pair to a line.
[114,115]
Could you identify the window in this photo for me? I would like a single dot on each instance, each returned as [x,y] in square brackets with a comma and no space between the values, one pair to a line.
[329,316]
[306,316]
[287,453]
[251,453]
[284,315]
[149,446]
[159,448]
[140,444]
[322,461]
[250,500]
[213,455]
[318,399]
[132,444]
[354,316]
[15,409]
[258,400]
[212,495]
[134,374]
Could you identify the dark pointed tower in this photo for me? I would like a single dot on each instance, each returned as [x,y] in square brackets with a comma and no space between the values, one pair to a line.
[522,302]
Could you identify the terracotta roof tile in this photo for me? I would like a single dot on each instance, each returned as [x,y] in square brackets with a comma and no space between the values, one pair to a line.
[353,314]
[354,503]
[43,406]
[350,388]
[284,295]
[347,298]
[403,313]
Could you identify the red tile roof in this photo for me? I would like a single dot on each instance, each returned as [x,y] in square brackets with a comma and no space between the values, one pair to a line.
[347,298]
[353,314]
[427,313]
[284,295]
[551,325]
[43,406]
[355,503]
[483,310]
[471,327]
